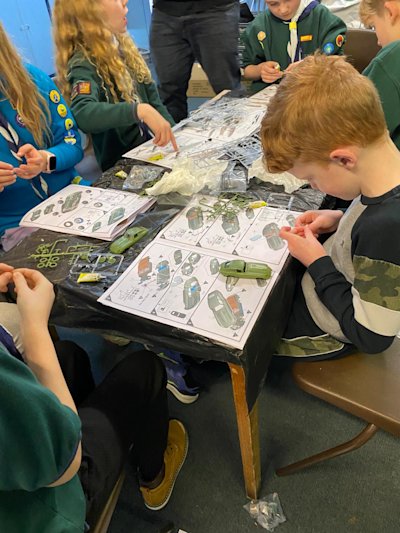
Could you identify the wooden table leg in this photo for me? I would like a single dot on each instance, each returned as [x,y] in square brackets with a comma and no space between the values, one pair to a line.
[249,436]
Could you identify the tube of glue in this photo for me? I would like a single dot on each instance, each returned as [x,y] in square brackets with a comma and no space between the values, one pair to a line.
[89,277]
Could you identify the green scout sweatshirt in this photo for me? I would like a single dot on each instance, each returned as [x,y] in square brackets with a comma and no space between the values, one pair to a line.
[266,38]
[39,437]
[384,72]
[114,127]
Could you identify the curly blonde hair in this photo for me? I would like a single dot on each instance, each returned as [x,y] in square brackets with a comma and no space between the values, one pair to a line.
[21,91]
[320,105]
[78,26]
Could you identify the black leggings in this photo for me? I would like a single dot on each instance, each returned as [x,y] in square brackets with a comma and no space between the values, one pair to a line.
[128,408]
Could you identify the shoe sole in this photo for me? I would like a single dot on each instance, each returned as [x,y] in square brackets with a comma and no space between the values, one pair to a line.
[159,507]
[184,398]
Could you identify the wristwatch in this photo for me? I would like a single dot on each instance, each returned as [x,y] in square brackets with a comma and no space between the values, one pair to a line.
[51,163]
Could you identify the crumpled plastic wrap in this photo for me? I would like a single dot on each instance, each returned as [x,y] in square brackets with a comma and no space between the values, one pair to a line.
[267,512]
[187,177]
[290,183]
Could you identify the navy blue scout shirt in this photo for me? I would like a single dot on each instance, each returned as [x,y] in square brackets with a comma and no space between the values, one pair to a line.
[266,38]
[65,144]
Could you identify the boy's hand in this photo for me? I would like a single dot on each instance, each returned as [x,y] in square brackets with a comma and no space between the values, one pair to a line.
[306,248]
[324,221]
[36,162]
[161,128]
[7,175]
[5,276]
[270,71]
[35,296]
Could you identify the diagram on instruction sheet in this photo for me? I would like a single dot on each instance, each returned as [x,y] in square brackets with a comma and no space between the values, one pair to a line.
[87,211]
[176,279]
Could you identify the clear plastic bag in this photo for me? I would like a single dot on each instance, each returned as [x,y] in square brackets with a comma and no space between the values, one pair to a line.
[267,512]
[188,177]
[106,264]
[234,178]
[141,175]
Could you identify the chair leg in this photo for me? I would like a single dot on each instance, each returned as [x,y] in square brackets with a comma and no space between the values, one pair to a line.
[105,518]
[358,441]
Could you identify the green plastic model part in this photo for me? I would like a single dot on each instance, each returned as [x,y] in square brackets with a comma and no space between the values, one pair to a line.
[227,206]
[130,237]
[48,255]
[238,268]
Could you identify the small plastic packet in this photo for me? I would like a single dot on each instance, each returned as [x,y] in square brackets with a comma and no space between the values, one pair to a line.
[96,266]
[234,178]
[141,175]
[267,512]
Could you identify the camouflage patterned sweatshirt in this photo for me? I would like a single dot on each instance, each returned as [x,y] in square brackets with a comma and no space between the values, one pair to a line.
[353,295]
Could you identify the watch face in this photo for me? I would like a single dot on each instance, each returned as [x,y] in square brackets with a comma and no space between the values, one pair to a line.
[52,163]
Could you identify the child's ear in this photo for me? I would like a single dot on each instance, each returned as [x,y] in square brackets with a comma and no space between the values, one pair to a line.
[392,8]
[344,157]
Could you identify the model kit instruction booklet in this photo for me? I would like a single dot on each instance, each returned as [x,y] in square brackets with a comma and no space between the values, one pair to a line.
[176,280]
[88,211]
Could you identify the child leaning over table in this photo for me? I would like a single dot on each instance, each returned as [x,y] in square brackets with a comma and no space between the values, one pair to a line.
[337,141]
[285,33]
[384,69]
[105,79]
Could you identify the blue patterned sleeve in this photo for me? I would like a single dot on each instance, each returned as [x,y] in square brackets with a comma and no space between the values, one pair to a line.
[66,142]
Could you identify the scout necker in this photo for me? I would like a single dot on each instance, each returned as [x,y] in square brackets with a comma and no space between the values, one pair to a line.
[287,32]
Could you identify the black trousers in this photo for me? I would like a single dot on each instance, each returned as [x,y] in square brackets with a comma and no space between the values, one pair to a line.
[129,408]
[210,37]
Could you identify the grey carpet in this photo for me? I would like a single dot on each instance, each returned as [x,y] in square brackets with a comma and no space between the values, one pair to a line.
[355,493]
[358,492]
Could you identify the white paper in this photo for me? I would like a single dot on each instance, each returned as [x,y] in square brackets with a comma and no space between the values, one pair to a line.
[87,211]
[205,133]
[176,281]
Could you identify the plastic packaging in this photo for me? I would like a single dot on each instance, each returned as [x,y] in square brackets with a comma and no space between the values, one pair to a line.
[187,178]
[233,179]
[100,266]
[267,512]
[141,175]
[289,182]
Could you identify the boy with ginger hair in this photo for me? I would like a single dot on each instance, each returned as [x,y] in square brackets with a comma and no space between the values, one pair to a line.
[337,140]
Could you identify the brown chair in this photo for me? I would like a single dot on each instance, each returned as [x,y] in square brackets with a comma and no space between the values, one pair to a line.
[105,518]
[361,47]
[367,386]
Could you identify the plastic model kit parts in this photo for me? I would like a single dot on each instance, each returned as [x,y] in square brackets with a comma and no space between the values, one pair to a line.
[242,269]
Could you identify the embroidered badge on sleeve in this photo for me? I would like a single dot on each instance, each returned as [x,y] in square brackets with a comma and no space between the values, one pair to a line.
[62,110]
[339,41]
[328,49]
[81,87]
[55,96]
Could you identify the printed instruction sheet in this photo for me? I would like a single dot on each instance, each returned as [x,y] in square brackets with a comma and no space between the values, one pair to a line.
[88,211]
[176,279]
